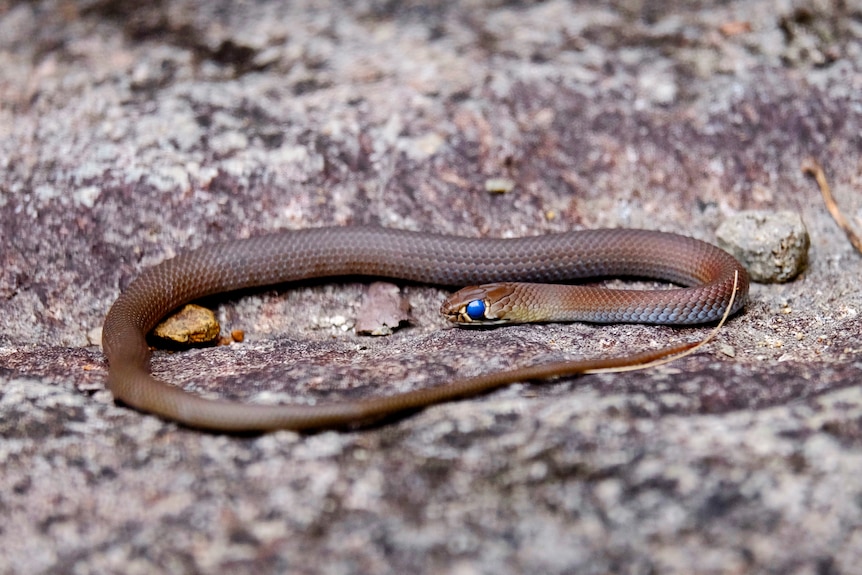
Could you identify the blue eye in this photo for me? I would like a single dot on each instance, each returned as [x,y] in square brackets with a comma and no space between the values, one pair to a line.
[476,309]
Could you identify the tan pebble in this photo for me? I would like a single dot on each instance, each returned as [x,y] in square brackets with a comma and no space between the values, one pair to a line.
[192,325]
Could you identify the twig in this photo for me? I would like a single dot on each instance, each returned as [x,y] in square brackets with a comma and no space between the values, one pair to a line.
[812,167]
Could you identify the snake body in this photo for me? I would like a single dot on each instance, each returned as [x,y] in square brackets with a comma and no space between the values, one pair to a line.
[419,257]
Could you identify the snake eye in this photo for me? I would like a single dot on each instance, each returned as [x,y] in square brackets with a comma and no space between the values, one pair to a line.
[475,309]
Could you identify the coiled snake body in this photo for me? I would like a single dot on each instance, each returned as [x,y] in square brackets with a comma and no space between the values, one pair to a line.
[420,257]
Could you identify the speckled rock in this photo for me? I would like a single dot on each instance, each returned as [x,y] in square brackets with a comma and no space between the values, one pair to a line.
[133,131]
[773,246]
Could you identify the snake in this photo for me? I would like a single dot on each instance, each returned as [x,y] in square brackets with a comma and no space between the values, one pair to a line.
[523,279]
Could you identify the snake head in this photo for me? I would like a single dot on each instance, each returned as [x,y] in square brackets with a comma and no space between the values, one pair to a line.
[487,304]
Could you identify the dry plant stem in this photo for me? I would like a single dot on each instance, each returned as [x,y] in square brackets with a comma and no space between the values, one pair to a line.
[812,167]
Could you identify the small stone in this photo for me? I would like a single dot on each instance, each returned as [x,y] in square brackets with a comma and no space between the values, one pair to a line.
[193,325]
[773,246]
[383,310]
[499,185]
[94,336]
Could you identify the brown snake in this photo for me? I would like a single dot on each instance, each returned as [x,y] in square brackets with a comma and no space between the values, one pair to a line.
[427,258]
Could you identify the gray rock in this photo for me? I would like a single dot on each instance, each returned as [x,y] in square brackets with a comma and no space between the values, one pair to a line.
[773,246]
[133,131]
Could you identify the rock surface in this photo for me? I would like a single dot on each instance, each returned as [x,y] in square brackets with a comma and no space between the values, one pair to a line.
[129,133]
